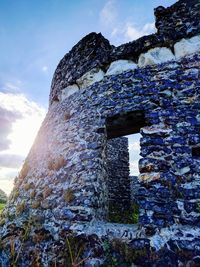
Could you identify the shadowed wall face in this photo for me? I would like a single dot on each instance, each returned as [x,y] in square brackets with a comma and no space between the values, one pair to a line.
[119,191]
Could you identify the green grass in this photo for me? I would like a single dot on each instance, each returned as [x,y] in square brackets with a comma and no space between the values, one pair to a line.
[2,205]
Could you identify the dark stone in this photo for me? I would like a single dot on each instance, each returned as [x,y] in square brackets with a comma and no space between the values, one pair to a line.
[90,52]
[139,244]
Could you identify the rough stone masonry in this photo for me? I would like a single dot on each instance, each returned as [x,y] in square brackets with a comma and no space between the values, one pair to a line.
[78,165]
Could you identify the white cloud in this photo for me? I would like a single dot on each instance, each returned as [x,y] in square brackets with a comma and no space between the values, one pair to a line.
[128,31]
[149,27]
[122,31]
[18,103]
[8,160]
[23,119]
[6,185]
[134,153]
[108,13]
[7,176]
[131,32]
[134,169]
[11,87]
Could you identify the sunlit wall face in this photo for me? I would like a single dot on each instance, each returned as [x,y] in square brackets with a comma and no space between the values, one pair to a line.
[20,120]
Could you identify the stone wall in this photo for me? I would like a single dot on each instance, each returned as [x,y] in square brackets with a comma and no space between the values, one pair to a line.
[64,180]
[135,186]
[63,185]
[119,193]
[178,21]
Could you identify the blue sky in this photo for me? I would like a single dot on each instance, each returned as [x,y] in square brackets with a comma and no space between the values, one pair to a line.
[34,36]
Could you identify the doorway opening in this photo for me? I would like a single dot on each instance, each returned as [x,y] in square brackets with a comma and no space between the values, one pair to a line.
[122,154]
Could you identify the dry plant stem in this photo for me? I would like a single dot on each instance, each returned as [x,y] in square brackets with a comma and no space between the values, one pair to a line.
[75,262]
[13,253]
[70,251]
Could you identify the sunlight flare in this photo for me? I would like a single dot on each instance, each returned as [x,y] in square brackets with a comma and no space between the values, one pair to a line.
[23,119]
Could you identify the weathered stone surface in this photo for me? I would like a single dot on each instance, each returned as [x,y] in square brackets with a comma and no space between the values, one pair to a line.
[68,160]
[120,66]
[118,178]
[90,52]
[69,90]
[180,19]
[90,77]
[155,56]
[187,46]
[149,177]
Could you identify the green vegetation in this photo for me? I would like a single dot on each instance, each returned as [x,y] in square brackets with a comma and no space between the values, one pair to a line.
[75,251]
[130,216]
[73,254]
[198,207]
[3,200]
[2,205]
[111,260]
[135,213]
[3,196]
[119,253]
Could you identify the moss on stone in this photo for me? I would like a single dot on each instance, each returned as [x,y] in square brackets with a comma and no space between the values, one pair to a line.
[129,216]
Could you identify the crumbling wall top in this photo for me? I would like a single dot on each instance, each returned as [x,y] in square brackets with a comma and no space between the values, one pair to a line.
[181,20]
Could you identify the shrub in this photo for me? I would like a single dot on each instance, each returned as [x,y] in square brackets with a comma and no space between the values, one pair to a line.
[56,164]
[3,197]
[32,194]
[28,186]
[47,191]
[20,207]
[69,195]
[35,204]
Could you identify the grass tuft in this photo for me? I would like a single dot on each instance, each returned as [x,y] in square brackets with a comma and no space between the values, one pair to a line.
[56,164]
[2,205]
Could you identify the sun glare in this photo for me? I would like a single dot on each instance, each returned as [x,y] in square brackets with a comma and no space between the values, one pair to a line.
[29,117]
[23,134]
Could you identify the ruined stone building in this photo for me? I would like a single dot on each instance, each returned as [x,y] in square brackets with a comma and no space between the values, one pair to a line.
[75,183]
